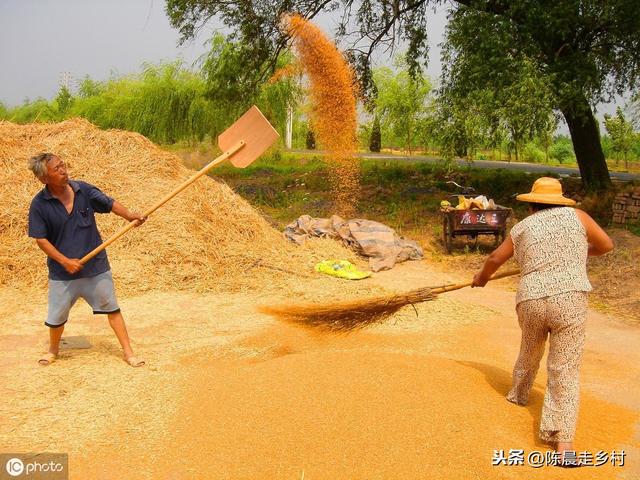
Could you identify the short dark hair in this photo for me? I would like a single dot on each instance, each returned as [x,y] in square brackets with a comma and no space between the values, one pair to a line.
[542,206]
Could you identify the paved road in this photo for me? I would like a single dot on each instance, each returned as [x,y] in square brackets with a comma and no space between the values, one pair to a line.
[527,167]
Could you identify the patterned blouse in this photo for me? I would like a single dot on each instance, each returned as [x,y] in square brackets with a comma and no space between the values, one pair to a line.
[551,247]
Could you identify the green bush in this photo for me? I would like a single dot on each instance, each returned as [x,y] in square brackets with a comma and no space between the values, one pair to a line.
[562,151]
[532,153]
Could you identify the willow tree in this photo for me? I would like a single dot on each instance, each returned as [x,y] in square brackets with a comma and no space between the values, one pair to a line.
[621,133]
[165,102]
[228,84]
[587,48]
[400,100]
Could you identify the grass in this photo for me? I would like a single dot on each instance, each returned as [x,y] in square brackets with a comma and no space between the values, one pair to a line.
[404,195]
[634,228]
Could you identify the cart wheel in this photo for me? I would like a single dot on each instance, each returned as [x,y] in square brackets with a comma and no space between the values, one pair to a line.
[499,237]
[447,235]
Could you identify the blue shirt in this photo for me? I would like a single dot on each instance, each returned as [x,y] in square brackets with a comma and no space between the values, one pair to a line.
[74,234]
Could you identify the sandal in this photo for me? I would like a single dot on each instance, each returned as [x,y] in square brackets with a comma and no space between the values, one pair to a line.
[47,359]
[135,362]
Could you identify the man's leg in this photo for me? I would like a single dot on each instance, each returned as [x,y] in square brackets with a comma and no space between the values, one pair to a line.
[117,324]
[55,334]
[100,294]
[62,296]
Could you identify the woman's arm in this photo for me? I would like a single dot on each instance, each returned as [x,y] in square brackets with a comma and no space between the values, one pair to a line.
[599,242]
[500,255]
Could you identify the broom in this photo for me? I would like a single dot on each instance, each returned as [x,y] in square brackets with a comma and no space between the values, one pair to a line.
[355,314]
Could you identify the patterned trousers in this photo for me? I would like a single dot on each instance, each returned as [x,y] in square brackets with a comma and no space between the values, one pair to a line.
[561,317]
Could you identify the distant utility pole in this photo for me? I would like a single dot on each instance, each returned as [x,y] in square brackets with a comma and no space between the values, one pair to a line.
[65,80]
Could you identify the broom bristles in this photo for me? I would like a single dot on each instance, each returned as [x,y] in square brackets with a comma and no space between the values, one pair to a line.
[345,316]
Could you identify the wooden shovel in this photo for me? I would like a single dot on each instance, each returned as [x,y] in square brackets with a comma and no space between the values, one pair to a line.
[242,143]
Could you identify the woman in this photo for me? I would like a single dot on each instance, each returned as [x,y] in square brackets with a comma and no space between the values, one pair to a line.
[551,247]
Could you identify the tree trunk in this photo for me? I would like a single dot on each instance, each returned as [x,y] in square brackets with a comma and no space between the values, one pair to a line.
[288,135]
[586,145]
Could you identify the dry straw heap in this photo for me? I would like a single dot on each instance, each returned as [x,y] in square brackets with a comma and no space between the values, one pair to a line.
[206,239]
[333,108]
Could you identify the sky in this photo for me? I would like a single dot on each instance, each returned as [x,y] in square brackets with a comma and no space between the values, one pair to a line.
[41,40]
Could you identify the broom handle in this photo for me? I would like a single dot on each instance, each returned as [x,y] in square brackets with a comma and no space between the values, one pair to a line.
[448,288]
[163,200]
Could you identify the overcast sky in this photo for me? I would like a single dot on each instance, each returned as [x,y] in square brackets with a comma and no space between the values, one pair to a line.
[42,39]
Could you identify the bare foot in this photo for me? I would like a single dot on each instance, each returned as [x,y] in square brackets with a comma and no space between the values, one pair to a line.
[570,461]
[135,361]
[47,359]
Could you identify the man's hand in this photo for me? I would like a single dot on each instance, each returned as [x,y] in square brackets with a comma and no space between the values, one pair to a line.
[123,212]
[137,216]
[72,265]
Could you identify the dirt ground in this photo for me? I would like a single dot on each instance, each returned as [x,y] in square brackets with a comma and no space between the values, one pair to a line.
[231,393]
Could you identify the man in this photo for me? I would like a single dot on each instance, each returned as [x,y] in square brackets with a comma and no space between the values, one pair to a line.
[62,221]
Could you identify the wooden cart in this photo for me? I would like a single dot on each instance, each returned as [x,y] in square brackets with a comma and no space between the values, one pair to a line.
[471,223]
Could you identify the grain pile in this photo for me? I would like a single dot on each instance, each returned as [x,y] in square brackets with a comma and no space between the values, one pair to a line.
[205,239]
[333,114]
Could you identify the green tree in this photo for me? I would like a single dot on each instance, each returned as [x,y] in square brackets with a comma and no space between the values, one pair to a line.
[165,102]
[461,124]
[64,100]
[621,133]
[525,106]
[400,101]
[587,49]
[546,135]
[375,140]
[89,88]
[228,85]
[562,151]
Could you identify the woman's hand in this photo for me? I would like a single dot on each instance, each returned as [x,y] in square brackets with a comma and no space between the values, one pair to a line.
[500,255]
[479,280]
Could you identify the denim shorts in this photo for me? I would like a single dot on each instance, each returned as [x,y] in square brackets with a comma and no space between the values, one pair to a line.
[98,292]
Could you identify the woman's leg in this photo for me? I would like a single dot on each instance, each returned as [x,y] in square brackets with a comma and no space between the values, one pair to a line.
[568,313]
[531,316]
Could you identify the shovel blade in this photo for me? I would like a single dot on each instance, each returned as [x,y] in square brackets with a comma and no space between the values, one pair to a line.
[257,133]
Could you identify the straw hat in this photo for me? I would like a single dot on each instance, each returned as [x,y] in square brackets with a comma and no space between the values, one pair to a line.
[546,190]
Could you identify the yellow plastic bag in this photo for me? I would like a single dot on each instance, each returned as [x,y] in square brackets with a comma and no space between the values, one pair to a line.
[341,269]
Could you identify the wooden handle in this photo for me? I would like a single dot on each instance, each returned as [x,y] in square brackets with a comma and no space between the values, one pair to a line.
[163,200]
[448,288]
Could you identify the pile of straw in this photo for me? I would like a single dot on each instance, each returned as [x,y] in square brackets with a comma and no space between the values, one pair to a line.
[206,239]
